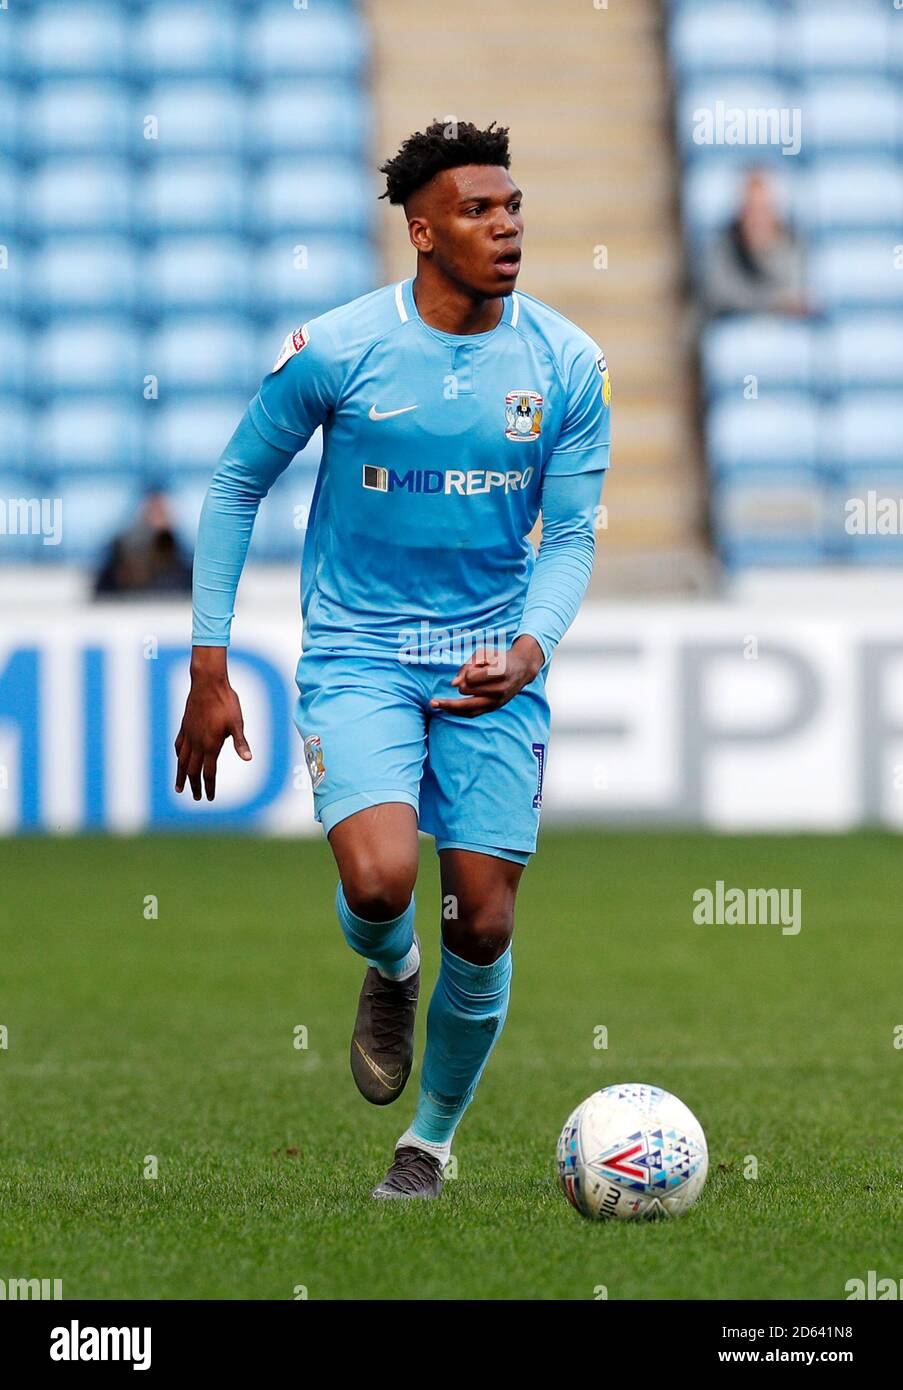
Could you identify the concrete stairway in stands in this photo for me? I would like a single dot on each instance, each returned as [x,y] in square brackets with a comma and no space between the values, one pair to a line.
[585,92]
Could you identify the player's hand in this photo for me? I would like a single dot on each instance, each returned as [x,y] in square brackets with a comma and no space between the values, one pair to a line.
[491,678]
[212,714]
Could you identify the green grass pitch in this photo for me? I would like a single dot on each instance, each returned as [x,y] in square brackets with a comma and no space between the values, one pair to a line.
[130,1037]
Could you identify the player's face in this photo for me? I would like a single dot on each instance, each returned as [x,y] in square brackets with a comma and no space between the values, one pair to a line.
[469,222]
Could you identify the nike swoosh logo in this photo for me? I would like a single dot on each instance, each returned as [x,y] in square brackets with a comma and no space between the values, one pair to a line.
[387,414]
[391,1083]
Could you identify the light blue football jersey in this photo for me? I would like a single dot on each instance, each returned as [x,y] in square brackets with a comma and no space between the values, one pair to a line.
[435,447]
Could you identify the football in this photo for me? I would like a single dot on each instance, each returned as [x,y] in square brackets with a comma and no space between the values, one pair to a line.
[632,1152]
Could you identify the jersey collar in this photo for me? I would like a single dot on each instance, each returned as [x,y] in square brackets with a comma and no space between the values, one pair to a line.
[407,310]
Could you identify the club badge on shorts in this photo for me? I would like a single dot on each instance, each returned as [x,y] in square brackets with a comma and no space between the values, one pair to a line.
[523,415]
[313,756]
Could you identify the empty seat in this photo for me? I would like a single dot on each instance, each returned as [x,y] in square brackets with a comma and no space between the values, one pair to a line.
[282,519]
[185,40]
[866,430]
[192,117]
[191,433]
[770,517]
[851,271]
[89,433]
[89,354]
[78,195]
[283,41]
[318,118]
[865,350]
[13,356]
[747,435]
[846,194]
[15,424]
[9,194]
[189,272]
[94,511]
[312,195]
[202,353]
[77,117]
[777,352]
[741,119]
[187,194]
[303,279]
[845,115]
[9,116]
[725,37]
[72,39]
[83,273]
[837,37]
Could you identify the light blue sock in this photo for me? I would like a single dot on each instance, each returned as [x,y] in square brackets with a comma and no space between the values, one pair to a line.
[466,1015]
[387,945]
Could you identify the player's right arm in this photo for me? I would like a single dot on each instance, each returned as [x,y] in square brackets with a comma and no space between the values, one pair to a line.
[292,402]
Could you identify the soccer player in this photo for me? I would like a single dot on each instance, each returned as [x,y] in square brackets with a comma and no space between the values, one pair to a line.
[454,410]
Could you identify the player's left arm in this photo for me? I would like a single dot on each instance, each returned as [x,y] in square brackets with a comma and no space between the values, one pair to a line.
[572,483]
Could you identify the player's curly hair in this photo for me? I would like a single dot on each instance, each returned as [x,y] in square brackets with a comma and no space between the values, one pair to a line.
[445,145]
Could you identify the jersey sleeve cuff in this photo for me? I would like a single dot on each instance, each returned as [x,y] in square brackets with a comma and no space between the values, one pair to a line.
[567,461]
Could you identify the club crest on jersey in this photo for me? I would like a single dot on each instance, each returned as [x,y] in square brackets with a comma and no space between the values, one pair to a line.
[602,367]
[293,343]
[523,415]
[313,756]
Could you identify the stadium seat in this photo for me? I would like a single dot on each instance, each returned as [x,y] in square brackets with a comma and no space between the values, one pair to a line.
[193,117]
[866,514]
[724,96]
[186,498]
[771,432]
[94,509]
[837,37]
[770,517]
[89,433]
[13,356]
[843,195]
[866,430]
[202,353]
[90,354]
[9,117]
[22,543]
[850,115]
[282,519]
[78,195]
[204,273]
[185,40]
[75,117]
[851,272]
[190,434]
[320,118]
[311,195]
[866,350]
[9,196]
[15,425]
[83,273]
[282,41]
[72,40]
[184,194]
[779,352]
[725,38]
[334,270]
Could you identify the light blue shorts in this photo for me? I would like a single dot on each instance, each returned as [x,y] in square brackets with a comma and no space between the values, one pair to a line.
[370,737]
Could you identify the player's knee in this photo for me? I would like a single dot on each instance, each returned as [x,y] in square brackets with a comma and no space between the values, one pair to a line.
[481,934]
[378,892]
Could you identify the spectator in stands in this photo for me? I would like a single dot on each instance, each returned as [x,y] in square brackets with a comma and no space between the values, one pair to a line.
[147,558]
[755,264]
